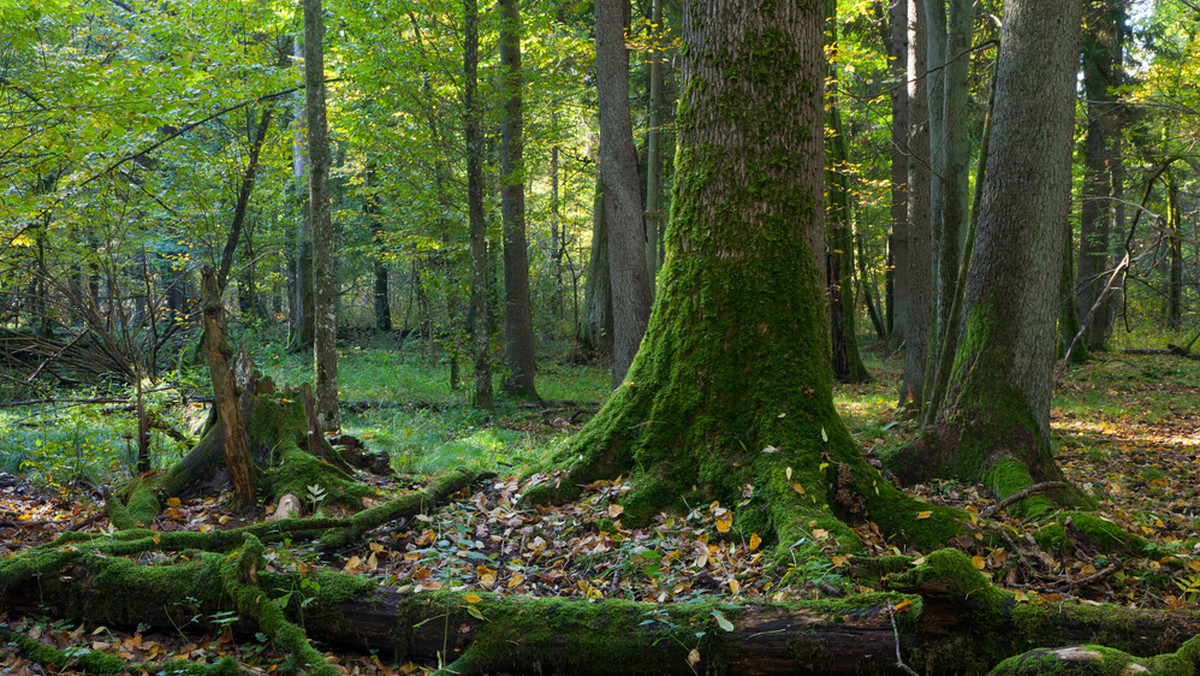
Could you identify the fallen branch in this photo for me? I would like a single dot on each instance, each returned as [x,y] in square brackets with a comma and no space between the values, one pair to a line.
[1016,497]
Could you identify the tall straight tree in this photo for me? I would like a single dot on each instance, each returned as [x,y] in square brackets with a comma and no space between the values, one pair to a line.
[996,426]
[654,219]
[631,294]
[302,306]
[1101,62]
[919,240]
[897,275]
[518,320]
[480,326]
[839,226]
[325,311]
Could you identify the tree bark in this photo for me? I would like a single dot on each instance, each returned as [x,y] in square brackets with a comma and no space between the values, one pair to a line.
[1101,57]
[839,227]
[518,321]
[595,332]
[631,293]
[919,240]
[654,215]
[324,280]
[302,305]
[480,329]
[732,390]
[225,398]
[898,282]
[996,426]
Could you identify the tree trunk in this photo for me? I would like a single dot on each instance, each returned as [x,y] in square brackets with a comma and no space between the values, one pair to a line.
[480,328]
[1101,56]
[302,305]
[935,98]
[839,228]
[595,332]
[225,398]
[898,282]
[379,264]
[730,398]
[919,240]
[631,293]
[654,216]
[324,280]
[1175,233]
[947,629]
[996,426]
[518,321]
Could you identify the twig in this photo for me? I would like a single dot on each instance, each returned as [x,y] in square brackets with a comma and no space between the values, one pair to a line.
[896,633]
[1032,490]
[1093,578]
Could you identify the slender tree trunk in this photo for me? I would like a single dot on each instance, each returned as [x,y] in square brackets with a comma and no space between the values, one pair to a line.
[379,264]
[302,305]
[1175,232]
[480,312]
[935,98]
[324,281]
[839,227]
[654,219]
[897,271]
[996,426]
[631,294]
[518,320]
[595,332]
[920,254]
[957,159]
[219,353]
[1101,56]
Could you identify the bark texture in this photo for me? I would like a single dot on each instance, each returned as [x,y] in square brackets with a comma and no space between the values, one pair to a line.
[996,425]
[631,293]
[897,307]
[918,244]
[218,353]
[518,321]
[324,282]
[302,304]
[481,334]
[730,397]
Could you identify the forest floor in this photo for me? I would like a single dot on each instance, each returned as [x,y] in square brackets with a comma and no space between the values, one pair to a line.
[1127,429]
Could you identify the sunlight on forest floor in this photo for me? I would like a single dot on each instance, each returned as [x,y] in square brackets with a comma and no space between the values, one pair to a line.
[1126,430]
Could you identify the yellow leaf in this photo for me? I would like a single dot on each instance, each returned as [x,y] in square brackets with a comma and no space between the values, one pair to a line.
[798,488]
[820,533]
[353,563]
[902,606]
[788,472]
[517,579]
[724,524]
[472,598]
[1020,597]
[822,466]
[173,502]
[924,515]
[693,657]
[735,586]
[978,562]
[615,510]
[755,541]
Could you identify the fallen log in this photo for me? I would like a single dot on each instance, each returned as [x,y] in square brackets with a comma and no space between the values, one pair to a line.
[958,623]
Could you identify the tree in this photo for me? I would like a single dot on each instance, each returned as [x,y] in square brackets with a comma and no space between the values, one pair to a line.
[731,392]
[847,366]
[302,305]
[917,246]
[480,326]
[630,279]
[1101,62]
[518,322]
[996,425]
[324,281]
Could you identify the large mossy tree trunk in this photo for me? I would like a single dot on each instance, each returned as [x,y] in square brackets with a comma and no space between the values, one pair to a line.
[730,397]
[996,425]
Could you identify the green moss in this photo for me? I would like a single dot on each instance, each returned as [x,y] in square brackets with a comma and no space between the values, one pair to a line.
[88,661]
[1088,660]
